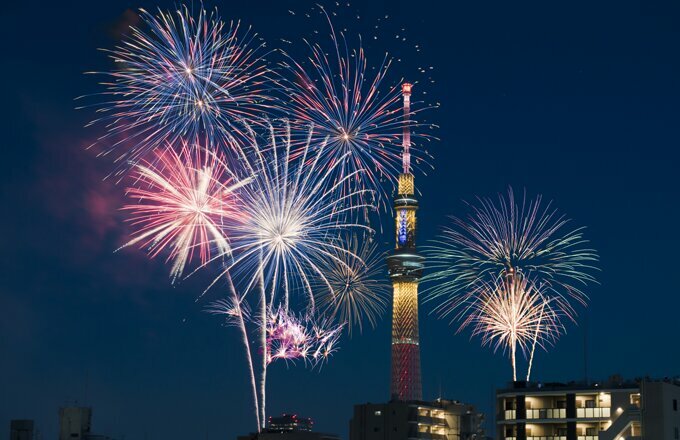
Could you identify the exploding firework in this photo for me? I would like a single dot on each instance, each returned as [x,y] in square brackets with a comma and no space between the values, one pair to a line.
[355,113]
[512,312]
[181,76]
[182,200]
[509,236]
[293,217]
[358,289]
[290,337]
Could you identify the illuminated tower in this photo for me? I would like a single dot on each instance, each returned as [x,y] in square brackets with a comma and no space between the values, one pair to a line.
[405,268]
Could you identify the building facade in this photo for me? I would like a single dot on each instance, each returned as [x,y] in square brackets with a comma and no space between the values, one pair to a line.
[75,422]
[289,427]
[21,429]
[400,420]
[612,410]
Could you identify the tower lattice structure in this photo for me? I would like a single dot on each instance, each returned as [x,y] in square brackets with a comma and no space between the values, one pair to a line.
[405,268]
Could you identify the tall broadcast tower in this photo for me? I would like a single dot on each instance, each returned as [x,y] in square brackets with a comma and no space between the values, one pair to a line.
[405,268]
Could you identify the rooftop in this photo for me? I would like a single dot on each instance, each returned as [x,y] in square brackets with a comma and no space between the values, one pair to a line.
[614,382]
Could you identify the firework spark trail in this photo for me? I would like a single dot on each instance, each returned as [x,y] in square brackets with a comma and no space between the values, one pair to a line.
[237,313]
[181,76]
[359,119]
[526,237]
[512,312]
[182,202]
[358,289]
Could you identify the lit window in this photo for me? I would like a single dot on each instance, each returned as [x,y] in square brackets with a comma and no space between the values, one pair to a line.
[378,413]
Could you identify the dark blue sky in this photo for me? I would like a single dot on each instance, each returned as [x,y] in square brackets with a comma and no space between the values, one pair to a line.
[577,101]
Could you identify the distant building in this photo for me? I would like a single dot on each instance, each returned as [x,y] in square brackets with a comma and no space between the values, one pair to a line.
[289,427]
[75,423]
[613,410]
[289,423]
[405,420]
[21,430]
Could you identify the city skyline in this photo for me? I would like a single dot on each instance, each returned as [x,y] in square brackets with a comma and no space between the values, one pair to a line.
[583,118]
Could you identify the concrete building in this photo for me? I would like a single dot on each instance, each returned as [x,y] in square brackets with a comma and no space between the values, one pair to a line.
[613,410]
[289,427]
[75,423]
[21,429]
[404,420]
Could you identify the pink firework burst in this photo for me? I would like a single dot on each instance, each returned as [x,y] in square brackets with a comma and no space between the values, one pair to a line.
[183,200]
[290,337]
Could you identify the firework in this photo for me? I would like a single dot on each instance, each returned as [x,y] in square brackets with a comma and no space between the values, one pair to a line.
[180,76]
[354,112]
[290,337]
[293,218]
[510,236]
[182,200]
[357,279]
[513,312]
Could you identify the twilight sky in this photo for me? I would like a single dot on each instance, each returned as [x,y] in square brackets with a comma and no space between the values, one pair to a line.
[577,101]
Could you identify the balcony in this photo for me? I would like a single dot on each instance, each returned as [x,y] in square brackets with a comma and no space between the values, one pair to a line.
[510,414]
[431,420]
[547,413]
[591,413]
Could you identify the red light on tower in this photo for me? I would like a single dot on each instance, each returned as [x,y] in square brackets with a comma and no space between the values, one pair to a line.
[406,88]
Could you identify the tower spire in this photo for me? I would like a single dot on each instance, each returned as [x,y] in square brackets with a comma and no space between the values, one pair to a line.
[406,137]
[405,268]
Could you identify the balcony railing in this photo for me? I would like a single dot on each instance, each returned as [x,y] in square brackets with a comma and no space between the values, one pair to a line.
[548,437]
[587,437]
[510,414]
[547,413]
[586,413]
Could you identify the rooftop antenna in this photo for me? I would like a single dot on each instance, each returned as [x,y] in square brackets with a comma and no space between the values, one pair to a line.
[585,347]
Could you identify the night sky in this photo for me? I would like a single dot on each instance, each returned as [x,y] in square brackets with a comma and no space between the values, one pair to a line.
[578,101]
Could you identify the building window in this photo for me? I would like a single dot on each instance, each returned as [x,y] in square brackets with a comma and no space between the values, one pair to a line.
[675,404]
[590,403]
[635,399]
[377,413]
